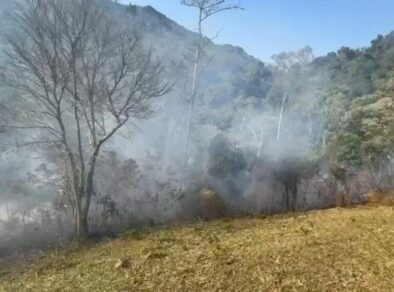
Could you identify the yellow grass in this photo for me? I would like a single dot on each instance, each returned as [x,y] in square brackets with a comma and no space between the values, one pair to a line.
[331,250]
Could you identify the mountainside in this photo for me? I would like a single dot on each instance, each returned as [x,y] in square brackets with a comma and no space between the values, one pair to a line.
[224,67]
[172,45]
[237,91]
[299,133]
[331,250]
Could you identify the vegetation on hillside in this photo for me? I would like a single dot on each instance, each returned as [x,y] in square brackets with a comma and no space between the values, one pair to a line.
[298,133]
[331,250]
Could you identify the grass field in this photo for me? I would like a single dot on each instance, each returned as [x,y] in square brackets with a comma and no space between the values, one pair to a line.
[330,250]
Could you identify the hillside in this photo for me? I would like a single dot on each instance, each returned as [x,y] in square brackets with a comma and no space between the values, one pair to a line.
[331,250]
[299,133]
[172,45]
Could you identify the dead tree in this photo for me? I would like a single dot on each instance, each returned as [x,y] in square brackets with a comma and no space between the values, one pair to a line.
[256,140]
[81,78]
[206,8]
[280,119]
[285,63]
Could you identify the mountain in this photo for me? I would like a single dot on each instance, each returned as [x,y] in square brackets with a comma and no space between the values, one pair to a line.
[300,133]
[224,68]
[302,119]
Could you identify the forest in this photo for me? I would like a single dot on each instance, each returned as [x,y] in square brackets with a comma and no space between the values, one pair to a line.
[114,118]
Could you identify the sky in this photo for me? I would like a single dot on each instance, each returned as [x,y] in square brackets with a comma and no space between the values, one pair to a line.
[268,27]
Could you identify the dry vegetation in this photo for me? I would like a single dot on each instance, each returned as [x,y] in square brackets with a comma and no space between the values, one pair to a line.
[380,198]
[331,250]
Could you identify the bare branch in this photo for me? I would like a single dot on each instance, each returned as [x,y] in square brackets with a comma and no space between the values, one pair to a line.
[210,7]
[80,78]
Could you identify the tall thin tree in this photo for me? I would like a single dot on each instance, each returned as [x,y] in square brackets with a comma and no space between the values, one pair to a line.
[206,9]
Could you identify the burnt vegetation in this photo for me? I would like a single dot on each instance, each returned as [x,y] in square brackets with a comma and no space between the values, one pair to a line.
[114,117]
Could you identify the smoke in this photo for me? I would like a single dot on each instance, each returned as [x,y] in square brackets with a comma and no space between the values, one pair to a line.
[253,132]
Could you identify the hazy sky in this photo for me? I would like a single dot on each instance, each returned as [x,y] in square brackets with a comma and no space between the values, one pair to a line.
[267,27]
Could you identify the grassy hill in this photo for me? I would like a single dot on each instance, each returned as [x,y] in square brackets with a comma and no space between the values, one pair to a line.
[331,250]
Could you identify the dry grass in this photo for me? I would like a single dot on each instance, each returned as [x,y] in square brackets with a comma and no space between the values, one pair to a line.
[380,198]
[331,250]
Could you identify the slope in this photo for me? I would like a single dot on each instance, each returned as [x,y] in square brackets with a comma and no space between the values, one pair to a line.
[331,250]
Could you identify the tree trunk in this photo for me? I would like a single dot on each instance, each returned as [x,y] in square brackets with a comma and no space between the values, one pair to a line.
[80,228]
[260,147]
[286,199]
[281,116]
[89,191]
[193,94]
[324,142]
[310,125]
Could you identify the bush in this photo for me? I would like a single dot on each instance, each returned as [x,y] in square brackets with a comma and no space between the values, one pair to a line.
[380,198]
[211,205]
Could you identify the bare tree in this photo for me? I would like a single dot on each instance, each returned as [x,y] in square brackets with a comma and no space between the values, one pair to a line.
[206,8]
[285,62]
[280,119]
[254,129]
[82,78]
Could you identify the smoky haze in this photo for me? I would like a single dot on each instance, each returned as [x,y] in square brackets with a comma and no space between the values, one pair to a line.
[264,138]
